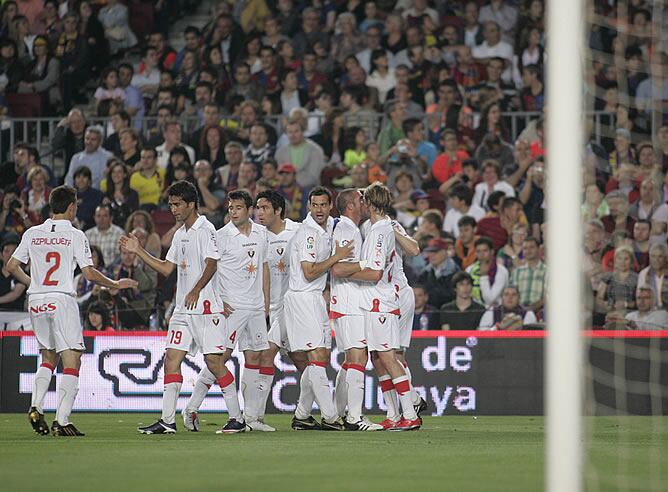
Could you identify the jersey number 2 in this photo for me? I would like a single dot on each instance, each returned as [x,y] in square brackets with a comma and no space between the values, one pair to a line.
[55,256]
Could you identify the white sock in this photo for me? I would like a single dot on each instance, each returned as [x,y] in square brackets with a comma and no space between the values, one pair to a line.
[341,391]
[170,397]
[203,383]
[249,390]
[390,397]
[323,396]
[306,396]
[404,392]
[415,398]
[41,385]
[355,393]
[67,392]
[264,382]
[230,396]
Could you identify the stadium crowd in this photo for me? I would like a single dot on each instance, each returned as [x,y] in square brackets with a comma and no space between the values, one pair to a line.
[293,94]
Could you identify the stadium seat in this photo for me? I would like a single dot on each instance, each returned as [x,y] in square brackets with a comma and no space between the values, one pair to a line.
[24,105]
[163,220]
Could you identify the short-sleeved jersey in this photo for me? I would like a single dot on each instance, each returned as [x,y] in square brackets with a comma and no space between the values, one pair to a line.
[344,298]
[310,243]
[54,249]
[379,252]
[279,260]
[398,274]
[241,266]
[189,250]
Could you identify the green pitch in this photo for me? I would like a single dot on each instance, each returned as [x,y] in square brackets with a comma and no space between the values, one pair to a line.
[449,453]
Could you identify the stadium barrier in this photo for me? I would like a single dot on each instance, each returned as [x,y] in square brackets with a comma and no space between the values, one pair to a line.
[457,372]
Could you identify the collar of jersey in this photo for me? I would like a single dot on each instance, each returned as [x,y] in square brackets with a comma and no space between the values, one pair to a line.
[198,223]
[254,227]
[310,221]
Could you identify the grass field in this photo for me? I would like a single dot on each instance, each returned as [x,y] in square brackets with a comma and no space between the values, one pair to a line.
[449,453]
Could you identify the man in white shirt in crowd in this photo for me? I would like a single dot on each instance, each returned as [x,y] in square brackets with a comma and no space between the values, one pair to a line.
[461,203]
[647,317]
[173,138]
[93,156]
[105,235]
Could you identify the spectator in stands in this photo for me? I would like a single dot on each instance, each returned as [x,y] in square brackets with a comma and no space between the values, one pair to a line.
[491,182]
[291,96]
[140,220]
[647,317]
[532,195]
[12,292]
[148,180]
[648,203]
[426,316]
[193,40]
[84,288]
[268,77]
[295,195]
[229,37]
[425,151]
[437,277]
[166,54]
[173,139]
[74,58]
[618,219]
[36,195]
[10,172]
[119,121]
[93,32]
[114,19]
[42,75]
[625,181]
[641,243]
[460,202]
[245,85]
[147,78]
[511,255]
[259,148]
[186,80]
[122,199]
[212,144]
[13,216]
[449,162]
[48,23]
[493,148]
[310,32]
[227,175]
[655,276]
[463,313]
[178,159]
[212,196]
[306,156]
[494,47]
[135,305]
[134,101]
[531,278]
[499,226]
[247,178]
[465,243]
[356,115]
[88,197]
[532,94]
[98,317]
[617,291]
[69,135]
[489,277]
[34,162]
[130,148]
[93,156]
[105,235]
[108,91]
[510,315]
[348,40]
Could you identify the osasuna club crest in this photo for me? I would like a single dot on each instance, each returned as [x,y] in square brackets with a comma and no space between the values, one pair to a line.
[382,319]
[280,251]
[251,253]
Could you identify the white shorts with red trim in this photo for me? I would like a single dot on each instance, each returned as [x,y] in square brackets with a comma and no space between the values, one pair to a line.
[306,321]
[382,331]
[278,333]
[407,308]
[56,322]
[249,329]
[350,331]
[195,333]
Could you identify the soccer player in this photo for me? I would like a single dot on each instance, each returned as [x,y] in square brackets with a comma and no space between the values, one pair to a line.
[54,249]
[305,311]
[243,280]
[380,302]
[196,324]
[348,318]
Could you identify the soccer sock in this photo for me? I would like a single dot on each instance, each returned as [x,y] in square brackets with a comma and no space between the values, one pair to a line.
[390,397]
[320,384]
[230,396]
[415,398]
[41,385]
[355,393]
[306,396]
[265,379]
[205,379]
[404,391]
[341,391]
[249,382]
[67,392]
[170,397]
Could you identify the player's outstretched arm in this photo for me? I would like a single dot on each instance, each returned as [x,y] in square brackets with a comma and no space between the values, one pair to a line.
[314,270]
[14,267]
[208,273]
[93,275]
[406,243]
[131,243]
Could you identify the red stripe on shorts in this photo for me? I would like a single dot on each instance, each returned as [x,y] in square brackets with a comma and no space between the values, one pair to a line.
[268,371]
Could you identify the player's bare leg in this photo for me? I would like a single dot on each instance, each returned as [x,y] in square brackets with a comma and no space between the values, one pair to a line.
[67,393]
[216,366]
[396,371]
[389,393]
[317,377]
[172,388]
[341,388]
[40,388]
[418,402]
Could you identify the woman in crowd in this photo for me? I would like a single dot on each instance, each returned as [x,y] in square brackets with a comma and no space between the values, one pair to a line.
[108,91]
[84,287]
[177,156]
[186,81]
[491,121]
[98,317]
[355,147]
[381,76]
[617,290]
[42,75]
[512,255]
[394,40]
[7,13]
[92,30]
[141,219]
[213,59]
[117,193]
[130,148]
[48,22]
[211,146]
[36,195]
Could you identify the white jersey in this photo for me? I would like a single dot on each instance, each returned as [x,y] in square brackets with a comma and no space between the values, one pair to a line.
[189,250]
[379,252]
[310,243]
[54,249]
[279,261]
[398,274]
[345,292]
[241,266]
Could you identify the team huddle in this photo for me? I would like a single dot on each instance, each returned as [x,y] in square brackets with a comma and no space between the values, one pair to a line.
[228,282]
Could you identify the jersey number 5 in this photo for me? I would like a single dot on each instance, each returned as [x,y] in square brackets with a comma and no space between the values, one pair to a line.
[55,256]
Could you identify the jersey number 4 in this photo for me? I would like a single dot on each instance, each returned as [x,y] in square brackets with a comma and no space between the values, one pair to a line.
[55,257]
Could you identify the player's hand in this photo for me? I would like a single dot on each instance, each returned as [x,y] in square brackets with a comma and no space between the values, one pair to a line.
[344,251]
[127,283]
[129,243]
[191,298]
[227,309]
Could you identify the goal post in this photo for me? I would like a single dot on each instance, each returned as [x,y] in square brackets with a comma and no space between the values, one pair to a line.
[564,353]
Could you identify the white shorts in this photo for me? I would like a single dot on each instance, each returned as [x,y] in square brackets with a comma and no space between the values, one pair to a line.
[407,308]
[56,322]
[350,332]
[249,329]
[278,333]
[306,321]
[382,331]
[195,333]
